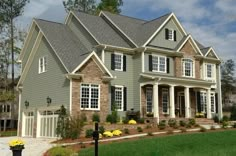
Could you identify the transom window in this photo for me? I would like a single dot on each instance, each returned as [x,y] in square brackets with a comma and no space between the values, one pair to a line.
[165,100]
[187,67]
[118,60]
[42,64]
[171,34]
[149,99]
[158,63]
[119,101]
[89,96]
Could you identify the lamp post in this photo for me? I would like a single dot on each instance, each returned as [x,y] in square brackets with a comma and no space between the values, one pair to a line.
[96,138]
[49,100]
[26,104]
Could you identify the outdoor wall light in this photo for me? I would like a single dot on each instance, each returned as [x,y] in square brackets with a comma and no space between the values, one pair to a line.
[49,100]
[26,104]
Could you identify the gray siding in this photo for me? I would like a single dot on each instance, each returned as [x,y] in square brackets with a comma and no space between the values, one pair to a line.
[171,65]
[36,87]
[30,46]
[81,33]
[160,40]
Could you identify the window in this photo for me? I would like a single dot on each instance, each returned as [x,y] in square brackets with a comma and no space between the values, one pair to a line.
[210,71]
[165,100]
[5,108]
[203,101]
[89,96]
[171,35]
[42,64]
[187,67]
[119,101]
[118,60]
[149,99]
[159,64]
[213,102]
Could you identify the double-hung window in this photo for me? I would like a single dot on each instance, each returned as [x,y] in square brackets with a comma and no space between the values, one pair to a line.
[187,67]
[165,101]
[210,71]
[118,62]
[89,96]
[159,63]
[170,34]
[119,97]
[42,64]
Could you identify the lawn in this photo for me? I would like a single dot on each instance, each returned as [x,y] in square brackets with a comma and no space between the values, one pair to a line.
[8,133]
[199,144]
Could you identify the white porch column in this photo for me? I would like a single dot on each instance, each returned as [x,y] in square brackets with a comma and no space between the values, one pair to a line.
[172,101]
[187,102]
[208,103]
[156,101]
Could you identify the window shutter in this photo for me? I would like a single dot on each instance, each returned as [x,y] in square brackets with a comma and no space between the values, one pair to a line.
[216,102]
[150,62]
[198,102]
[166,34]
[175,35]
[124,63]
[168,65]
[112,96]
[125,98]
[112,61]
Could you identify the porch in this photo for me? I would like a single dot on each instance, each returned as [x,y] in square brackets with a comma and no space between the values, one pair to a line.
[162,100]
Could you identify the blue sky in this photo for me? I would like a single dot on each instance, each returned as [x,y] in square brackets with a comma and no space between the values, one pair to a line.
[211,22]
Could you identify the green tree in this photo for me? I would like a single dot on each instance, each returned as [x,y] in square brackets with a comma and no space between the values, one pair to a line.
[88,6]
[62,123]
[9,10]
[227,78]
[112,6]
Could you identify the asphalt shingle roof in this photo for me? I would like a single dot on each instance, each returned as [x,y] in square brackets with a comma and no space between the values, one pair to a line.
[68,47]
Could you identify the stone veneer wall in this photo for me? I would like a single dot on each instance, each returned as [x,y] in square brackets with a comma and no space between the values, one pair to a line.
[94,75]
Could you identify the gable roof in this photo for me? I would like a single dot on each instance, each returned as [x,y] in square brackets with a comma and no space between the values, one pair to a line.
[101,30]
[66,45]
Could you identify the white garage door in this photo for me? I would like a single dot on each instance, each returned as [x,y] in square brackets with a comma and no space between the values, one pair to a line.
[29,123]
[48,123]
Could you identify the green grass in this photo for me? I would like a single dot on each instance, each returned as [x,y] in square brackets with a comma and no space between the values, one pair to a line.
[200,144]
[8,133]
[60,151]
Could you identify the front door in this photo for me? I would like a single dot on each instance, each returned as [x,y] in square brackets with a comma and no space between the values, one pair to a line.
[181,104]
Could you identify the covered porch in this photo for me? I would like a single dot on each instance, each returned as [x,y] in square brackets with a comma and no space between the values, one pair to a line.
[177,98]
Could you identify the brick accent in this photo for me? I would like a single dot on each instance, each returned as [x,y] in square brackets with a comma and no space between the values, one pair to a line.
[189,52]
[92,74]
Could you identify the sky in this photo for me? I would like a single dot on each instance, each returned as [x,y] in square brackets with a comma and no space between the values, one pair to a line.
[211,22]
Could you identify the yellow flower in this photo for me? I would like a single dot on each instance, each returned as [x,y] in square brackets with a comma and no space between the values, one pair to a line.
[100,136]
[117,132]
[16,144]
[132,122]
[108,134]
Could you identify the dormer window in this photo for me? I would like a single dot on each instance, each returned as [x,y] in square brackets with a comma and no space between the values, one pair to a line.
[170,34]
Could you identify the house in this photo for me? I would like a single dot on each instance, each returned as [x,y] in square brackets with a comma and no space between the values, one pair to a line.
[90,62]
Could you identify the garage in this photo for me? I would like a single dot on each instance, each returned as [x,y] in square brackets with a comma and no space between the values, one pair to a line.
[29,123]
[48,123]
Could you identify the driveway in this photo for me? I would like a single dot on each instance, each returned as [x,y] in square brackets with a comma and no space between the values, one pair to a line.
[33,146]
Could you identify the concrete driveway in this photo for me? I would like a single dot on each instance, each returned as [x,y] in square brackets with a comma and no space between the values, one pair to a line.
[33,146]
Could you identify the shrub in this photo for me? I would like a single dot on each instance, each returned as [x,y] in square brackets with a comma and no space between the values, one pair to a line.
[109,118]
[126,131]
[131,114]
[233,113]
[60,151]
[182,123]
[172,122]
[141,120]
[216,119]
[139,129]
[188,125]
[96,117]
[183,130]
[234,125]
[132,122]
[196,125]
[125,120]
[83,117]
[203,129]
[101,129]
[176,126]
[113,117]
[213,127]
[225,118]
[75,127]
[162,125]
[89,133]
[225,124]
[148,126]
[62,123]
[192,122]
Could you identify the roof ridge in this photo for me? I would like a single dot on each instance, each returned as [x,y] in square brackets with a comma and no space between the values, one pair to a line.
[205,47]
[125,16]
[157,18]
[48,21]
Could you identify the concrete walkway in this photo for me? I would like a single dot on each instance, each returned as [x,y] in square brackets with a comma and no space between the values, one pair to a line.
[33,146]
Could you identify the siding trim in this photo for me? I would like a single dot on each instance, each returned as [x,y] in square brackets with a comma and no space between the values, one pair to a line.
[211,49]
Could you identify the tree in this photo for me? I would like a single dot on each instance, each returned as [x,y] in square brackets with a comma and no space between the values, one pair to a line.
[227,78]
[62,123]
[88,6]
[9,10]
[112,6]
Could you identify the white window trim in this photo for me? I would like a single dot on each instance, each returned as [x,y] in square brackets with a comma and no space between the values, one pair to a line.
[158,70]
[168,101]
[204,105]
[213,71]
[90,97]
[183,68]
[122,61]
[214,104]
[172,32]
[151,89]
[122,98]
[44,69]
